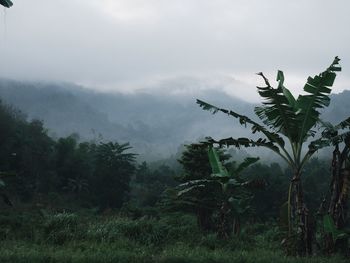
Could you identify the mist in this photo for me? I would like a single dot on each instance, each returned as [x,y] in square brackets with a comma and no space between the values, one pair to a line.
[128,46]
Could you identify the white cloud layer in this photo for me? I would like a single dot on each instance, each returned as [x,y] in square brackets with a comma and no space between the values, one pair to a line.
[128,44]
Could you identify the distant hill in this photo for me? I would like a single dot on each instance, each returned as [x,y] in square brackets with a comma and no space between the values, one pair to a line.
[339,109]
[154,123]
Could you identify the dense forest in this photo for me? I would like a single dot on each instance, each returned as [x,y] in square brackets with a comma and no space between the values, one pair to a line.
[72,199]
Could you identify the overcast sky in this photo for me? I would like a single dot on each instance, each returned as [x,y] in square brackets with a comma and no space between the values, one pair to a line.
[127,45]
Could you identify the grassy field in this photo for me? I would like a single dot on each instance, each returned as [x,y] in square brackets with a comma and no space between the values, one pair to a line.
[68,237]
[119,252]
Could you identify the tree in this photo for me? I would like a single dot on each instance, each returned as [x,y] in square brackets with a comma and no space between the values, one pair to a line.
[149,185]
[287,118]
[81,169]
[196,166]
[12,124]
[36,157]
[222,191]
[266,201]
[335,218]
[75,164]
[113,171]
[25,150]
[66,166]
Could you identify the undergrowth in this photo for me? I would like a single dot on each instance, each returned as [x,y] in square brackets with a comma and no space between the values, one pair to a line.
[172,238]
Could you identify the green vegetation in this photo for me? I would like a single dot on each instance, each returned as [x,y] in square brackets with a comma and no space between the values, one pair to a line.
[293,119]
[223,194]
[174,237]
[66,200]
[6,3]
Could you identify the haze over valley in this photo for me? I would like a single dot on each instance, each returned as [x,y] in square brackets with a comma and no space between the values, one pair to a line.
[156,123]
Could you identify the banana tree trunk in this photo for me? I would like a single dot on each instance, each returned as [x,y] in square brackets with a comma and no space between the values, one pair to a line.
[223,224]
[204,220]
[335,183]
[340,187]
[338,206]
[299,217]
[236,226]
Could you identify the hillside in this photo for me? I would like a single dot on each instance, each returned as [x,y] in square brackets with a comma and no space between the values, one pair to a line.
[154,123]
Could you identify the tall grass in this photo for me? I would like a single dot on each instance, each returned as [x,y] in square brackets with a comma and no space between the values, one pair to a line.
[68,237]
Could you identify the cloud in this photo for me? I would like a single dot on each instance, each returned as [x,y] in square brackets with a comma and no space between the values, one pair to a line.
[122,44]
[129,12]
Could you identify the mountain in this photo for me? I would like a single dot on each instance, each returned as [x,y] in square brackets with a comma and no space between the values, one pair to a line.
[339,109]
[155,123]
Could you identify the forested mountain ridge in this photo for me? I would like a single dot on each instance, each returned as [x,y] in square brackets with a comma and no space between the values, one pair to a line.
[153,124]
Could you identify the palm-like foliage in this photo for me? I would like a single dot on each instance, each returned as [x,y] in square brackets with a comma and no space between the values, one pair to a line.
[332,134]
[286,118]
[230,199]
[111,178]
[284,115]
[201,201]
[335,214]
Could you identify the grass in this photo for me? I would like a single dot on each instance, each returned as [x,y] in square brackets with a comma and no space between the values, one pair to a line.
[67,237]
[17,252]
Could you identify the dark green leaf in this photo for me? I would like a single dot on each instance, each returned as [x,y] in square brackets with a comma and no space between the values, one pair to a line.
[329,227]
[244,120]
[278,111]
[217,168]
[6,3]
[246,163]
[318,89]
[244,142]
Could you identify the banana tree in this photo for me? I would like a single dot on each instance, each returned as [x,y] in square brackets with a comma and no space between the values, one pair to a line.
[6,3]
[334,217]
[235,198]
[287,125]
[195,164]
[231,198]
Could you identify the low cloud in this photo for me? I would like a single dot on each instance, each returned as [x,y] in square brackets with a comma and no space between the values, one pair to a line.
[125,45]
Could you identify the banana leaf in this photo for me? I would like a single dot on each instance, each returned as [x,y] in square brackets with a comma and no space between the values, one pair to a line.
[217,168]
[6,3]
[330,228]
[317,91]
[187,190]
[246,163]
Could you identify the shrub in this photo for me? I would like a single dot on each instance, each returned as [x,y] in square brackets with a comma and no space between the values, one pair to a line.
[60,228]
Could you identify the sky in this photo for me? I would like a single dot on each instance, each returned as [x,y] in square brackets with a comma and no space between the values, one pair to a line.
[188,45]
